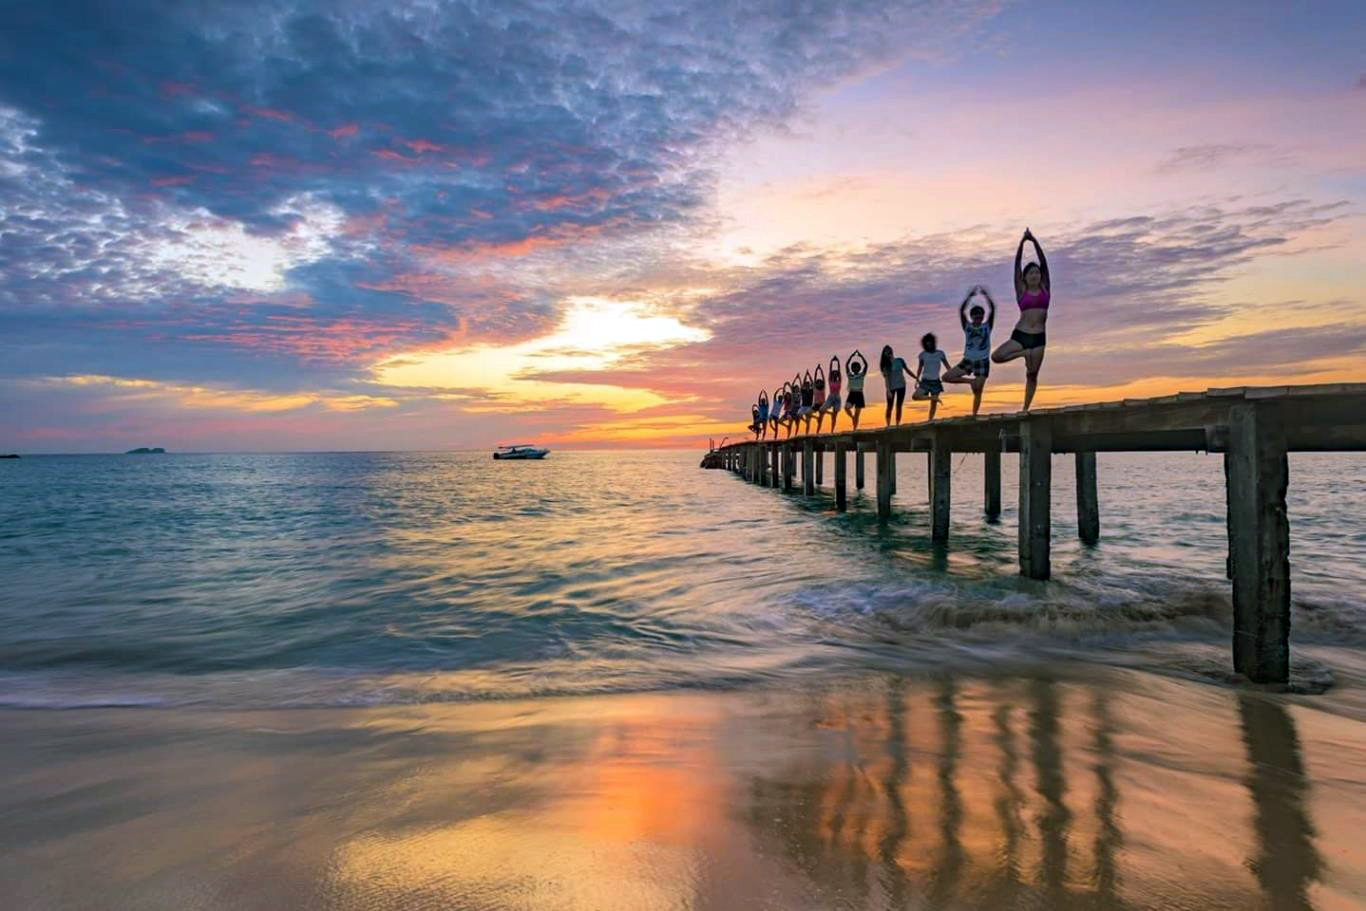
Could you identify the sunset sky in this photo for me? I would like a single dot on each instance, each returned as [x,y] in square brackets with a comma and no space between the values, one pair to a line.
[426,225]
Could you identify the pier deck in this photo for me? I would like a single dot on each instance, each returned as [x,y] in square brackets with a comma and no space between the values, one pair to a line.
[1253,427]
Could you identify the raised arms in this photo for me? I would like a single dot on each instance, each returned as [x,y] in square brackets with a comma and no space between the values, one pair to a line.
[857,356]
[963,308]
[1043,264]
[991,305]
[1019,258]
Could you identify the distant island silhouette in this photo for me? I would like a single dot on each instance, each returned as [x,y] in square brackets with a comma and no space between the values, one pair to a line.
[146,450]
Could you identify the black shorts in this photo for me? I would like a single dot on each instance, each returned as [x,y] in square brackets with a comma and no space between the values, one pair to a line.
[1028,340]
[930,387]
[856,398]
[975,367]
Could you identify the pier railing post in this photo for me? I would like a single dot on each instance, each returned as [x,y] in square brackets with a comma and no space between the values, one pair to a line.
[1088,506]
[820,465]
[1036,480]
[808,479]
[1259,544]
[858,466]
[941,461]
[884,479]
[991,470]
[841,476]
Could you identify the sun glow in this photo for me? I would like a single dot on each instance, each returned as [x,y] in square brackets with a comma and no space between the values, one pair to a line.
[596,334]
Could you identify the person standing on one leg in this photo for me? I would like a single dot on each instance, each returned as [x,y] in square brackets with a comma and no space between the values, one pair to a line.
[832,397]
[976,363]
[1033,292]
[857,368]
[928,385]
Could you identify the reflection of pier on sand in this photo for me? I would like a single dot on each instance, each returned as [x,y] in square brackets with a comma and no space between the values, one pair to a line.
[1005,796]
[1119,791]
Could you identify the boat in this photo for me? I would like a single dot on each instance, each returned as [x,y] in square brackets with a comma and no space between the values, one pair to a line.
[520,451]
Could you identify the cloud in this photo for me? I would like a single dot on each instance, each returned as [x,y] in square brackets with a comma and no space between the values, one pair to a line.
[1206,157]
[418,172]
[1127,292]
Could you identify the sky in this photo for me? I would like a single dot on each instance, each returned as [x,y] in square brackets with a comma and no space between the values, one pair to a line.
[347,225]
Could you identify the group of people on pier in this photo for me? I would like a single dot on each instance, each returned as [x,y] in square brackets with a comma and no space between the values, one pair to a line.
[810,396]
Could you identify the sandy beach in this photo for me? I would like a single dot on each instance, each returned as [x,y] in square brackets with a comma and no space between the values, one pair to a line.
[1091,788]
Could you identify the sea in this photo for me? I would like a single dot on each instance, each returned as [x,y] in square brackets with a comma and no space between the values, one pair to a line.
[362,579]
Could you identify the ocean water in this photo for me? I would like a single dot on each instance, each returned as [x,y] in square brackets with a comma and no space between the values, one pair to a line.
[379,578]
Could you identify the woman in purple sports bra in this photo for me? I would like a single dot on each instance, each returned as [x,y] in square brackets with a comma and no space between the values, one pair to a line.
[1032,293]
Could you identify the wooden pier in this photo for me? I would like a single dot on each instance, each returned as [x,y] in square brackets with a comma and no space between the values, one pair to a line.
[1254,429]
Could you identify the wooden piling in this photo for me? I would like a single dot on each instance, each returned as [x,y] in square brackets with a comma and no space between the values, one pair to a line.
[1088,505]
[884,479]
[774,456]
[858,466]
[789,467]
[808,480]
[1036,479]
[991,471]
[1259,544]
[941,462]
[820,465]
[891,468]
[841,473]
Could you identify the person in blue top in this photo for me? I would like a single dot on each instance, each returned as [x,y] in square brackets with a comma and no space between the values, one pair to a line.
[975,365]
[762,420]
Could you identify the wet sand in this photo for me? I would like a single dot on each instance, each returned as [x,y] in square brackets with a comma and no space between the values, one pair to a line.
[1090,789]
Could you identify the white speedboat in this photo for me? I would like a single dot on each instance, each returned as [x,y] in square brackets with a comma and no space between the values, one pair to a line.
[520,451]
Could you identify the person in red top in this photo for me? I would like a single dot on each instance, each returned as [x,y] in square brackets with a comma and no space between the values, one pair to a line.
[1033,292]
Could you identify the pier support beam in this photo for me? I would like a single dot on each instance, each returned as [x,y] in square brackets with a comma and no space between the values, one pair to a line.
[1036,480]
[858,466]
[891,468]
[884,480]
[1088,506]
[941,463]
[774,456]
[789,467]
[991,473]
[820,465]
[841,476]
[1259,544]
[808,480]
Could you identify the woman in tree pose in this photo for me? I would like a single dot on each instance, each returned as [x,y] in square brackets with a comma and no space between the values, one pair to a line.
[775,411]
[762,420]
[857,367]
[808,396]
[1032,293]
[832,397]
[894,373]
[976,363]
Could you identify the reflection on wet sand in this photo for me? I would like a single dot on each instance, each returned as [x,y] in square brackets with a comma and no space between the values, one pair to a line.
[1031,858]
[886,794]
[1286,861]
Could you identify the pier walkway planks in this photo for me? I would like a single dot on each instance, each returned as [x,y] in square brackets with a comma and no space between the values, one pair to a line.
[1253,427]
